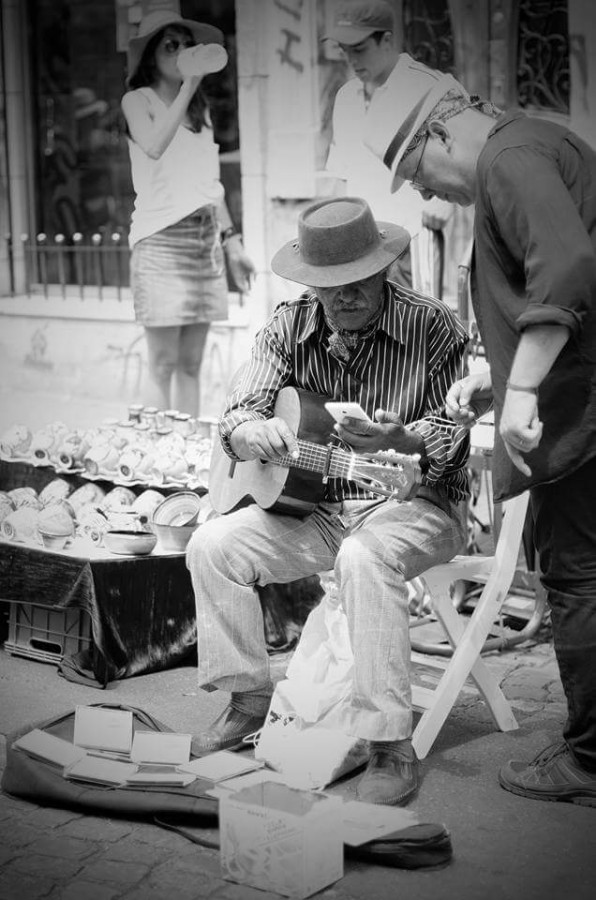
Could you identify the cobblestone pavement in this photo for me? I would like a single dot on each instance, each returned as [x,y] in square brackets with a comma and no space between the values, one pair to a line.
[505,847]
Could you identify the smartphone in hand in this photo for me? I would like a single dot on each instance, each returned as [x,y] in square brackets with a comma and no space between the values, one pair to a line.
[341,410]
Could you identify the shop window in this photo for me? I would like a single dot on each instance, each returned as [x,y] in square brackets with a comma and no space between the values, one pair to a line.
[543,56]
[428,35]
[82,184]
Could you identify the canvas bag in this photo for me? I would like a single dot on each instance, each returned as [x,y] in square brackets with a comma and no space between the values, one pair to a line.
[184,810]
[43,783]
[306,736]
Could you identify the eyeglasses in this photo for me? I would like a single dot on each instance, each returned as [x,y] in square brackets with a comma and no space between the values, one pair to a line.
[172,45]
[413,180]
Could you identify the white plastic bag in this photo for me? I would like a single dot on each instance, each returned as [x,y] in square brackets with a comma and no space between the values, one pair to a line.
[306,736]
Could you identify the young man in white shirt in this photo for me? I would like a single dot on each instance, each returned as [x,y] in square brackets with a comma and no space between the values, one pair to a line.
[366,32]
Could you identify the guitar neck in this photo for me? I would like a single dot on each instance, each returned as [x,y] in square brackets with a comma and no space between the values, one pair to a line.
[318,458]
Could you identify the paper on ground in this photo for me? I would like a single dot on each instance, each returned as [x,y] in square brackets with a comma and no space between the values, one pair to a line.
[160,747]
[103,729]
[231,785]
[221,765]
[179,779]
[362,822]
[100,771]
[41,745]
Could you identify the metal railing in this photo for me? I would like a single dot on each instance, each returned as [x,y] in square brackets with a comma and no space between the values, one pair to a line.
[97,265]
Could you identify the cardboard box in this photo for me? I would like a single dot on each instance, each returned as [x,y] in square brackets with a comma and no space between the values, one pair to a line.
[280,839]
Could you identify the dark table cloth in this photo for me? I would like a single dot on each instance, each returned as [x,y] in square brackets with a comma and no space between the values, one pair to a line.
[142,609]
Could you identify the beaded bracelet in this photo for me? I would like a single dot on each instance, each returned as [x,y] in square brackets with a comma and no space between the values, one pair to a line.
[518,387]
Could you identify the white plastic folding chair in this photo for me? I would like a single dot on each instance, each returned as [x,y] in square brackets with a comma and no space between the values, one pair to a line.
[468,636]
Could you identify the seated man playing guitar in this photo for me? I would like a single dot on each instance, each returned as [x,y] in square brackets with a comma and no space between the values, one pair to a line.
[354,336]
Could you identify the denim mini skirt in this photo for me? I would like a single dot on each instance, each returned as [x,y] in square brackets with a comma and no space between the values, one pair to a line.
[177,276]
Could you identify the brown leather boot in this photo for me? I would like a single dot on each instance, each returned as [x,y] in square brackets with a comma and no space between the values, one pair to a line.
[392,775]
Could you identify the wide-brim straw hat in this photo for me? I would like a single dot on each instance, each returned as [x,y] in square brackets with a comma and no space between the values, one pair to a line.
[158,20]
[338,243]
[397,112]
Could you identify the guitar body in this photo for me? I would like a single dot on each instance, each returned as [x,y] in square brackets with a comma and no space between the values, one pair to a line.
[292,491]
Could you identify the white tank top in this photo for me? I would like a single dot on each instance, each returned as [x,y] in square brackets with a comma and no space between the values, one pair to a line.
[184,179]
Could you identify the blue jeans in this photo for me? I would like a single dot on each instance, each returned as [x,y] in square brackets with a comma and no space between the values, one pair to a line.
[374,547]
[565,536]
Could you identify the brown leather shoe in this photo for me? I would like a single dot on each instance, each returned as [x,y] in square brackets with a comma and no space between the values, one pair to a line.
[392,775]
[227,732]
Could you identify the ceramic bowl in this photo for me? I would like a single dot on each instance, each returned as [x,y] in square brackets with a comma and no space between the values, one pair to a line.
[130,543]
[178,509]
[173,537]
[54,541]
[56,519]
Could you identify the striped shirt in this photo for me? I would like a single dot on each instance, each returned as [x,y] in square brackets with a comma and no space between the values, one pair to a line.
[406,366]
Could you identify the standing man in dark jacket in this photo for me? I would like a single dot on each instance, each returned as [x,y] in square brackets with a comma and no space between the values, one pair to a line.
[534,294]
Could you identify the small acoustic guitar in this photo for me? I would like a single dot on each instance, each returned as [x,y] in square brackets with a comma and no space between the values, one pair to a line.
[296,486]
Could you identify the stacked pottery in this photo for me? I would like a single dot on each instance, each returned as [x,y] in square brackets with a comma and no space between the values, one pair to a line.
[145,503]
[15,443]
[92,524]
[55,490]
[25,496]
[169,468]
[198,456]
[175,519]
[21,508]
[169,464]
[20,526]
[86,495]
[45,442]
[101,458]
[118,498]
[130,463]
[117,505]
[6,506]
[75,445]
[56,526]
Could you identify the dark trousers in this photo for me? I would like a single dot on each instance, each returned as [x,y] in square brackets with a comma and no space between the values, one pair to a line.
[565,536]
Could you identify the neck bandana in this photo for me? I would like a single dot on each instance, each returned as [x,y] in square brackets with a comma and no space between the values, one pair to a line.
[343,343]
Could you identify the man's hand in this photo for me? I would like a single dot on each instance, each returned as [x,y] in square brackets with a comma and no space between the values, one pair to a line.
[387,432]
[264,439]
[520,427]
[436,213]
[240,264]
[459,402]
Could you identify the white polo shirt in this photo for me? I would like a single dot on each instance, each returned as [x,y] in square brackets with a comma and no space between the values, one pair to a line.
[365,175]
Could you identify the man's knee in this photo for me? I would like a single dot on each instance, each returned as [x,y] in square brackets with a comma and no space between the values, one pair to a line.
[359,552]
[206,543]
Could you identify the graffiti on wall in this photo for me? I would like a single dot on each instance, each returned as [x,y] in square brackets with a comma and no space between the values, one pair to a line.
[292,138]
[290,36]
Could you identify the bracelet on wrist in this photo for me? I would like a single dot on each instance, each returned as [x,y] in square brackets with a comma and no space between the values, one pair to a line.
[519,387]
[228,233]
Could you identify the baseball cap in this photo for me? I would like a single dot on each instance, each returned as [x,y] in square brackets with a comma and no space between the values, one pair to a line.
[355,20]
